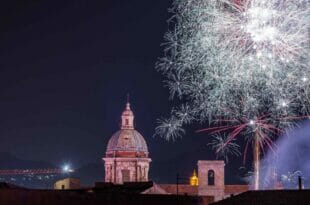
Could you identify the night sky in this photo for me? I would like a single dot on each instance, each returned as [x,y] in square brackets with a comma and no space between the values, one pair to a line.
[65,70]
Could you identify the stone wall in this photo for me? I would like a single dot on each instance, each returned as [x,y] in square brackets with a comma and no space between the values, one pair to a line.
[183,189]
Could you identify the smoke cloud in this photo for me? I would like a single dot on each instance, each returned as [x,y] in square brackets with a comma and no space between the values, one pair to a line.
[290,159]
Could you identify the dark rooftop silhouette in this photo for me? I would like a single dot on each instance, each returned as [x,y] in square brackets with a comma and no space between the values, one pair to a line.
[269,197]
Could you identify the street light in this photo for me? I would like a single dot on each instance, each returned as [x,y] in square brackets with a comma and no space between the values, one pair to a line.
[67,168]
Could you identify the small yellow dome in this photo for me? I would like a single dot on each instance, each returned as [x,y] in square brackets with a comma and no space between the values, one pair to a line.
[193,180]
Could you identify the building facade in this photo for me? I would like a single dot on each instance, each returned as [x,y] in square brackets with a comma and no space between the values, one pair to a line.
[68,183]
[127,157]
[210,182]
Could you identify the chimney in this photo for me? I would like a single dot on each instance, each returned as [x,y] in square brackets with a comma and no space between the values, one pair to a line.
[299,183]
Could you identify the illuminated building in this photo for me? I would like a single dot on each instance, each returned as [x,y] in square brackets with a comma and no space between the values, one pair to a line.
[209,181]
[126,158]
[68,183]
[193,180]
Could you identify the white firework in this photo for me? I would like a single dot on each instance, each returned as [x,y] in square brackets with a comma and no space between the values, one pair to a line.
[237,59]
[218,145]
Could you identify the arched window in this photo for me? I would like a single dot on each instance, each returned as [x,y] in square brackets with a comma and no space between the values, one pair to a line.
[210,177]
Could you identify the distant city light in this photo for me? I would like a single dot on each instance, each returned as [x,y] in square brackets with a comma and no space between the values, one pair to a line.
[67,168]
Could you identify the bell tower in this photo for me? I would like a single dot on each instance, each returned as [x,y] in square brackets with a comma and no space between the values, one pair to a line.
[211,178]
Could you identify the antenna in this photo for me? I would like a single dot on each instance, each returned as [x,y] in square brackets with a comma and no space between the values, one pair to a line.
[128,97]
[299,183]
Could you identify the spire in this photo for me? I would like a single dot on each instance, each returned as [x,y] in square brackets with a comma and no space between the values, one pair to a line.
[127,116]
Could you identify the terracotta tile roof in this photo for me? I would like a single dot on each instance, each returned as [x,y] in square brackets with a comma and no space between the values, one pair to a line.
[235,189]
[183,189]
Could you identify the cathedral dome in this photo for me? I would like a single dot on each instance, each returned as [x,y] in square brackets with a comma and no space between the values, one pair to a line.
[127,142]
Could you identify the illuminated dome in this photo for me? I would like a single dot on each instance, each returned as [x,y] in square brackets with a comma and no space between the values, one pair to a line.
[127,142]
[126,157]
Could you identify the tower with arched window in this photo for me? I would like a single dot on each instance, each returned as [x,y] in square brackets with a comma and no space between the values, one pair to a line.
[211,178]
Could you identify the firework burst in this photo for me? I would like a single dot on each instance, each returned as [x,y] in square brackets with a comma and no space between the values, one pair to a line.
[222,148]
[236,60]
